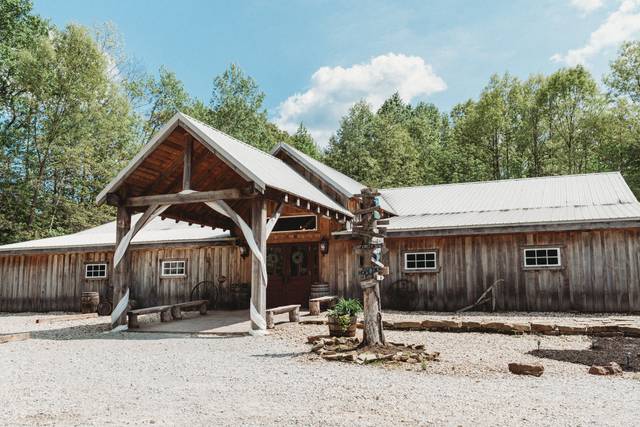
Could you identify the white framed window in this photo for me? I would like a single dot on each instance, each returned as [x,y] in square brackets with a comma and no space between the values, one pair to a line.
[174,268]
[421,261]
[97,270]
[542,257]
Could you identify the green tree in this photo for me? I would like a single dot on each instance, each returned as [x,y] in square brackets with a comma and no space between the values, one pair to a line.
[303,141]
[71,129]
[350,150]
[624,79]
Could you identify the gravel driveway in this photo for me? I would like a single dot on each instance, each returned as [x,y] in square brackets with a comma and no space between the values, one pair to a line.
[93,378]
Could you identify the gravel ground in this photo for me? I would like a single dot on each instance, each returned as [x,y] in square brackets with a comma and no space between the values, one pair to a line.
[79,375]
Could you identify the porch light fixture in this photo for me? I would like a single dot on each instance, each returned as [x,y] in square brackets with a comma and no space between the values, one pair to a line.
[244,250]
[324,246]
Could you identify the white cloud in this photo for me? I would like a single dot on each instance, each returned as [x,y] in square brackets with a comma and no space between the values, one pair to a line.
[334,90]
[587,6]
[622,24]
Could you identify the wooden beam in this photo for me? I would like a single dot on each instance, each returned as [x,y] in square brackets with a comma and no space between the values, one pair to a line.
[186,170]
[259,229]
[182,198]
[121,272]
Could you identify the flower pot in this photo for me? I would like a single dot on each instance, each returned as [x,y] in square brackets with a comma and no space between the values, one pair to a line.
[337,329]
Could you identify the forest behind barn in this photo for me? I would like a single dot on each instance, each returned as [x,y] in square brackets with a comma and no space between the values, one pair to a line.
[74,108]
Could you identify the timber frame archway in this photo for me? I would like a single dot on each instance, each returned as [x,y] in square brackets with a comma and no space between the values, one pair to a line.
[191,172]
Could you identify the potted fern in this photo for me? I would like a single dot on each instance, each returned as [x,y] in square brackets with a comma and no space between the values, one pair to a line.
[342,318]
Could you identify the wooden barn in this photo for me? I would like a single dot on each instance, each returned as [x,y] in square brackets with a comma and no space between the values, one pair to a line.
[196,205]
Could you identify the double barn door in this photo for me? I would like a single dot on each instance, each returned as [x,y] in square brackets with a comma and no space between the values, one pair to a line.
[291,270]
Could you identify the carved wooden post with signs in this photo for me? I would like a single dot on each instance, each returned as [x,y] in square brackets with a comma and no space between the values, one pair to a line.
[369,227]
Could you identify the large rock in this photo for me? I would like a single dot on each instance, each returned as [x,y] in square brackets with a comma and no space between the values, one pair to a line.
[500,327]
[612,368]
[543,328]
[572,330]
[534,369]
[441,324]
[408,325]
[472,325]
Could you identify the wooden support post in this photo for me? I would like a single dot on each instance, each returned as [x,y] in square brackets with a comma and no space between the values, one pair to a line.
[186,170]
[259,229]
[373,333]
[121,272]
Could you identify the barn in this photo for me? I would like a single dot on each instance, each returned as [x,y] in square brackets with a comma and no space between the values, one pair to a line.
[198,206]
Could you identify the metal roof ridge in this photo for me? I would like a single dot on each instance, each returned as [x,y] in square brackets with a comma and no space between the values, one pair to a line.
[531,178]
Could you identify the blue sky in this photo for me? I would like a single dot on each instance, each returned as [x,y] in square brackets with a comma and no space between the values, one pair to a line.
[313,59]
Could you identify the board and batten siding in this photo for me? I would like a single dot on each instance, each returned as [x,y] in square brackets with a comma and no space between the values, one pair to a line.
[55,281]
[600,272]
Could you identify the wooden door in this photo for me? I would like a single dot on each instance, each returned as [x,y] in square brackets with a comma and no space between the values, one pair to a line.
[291,269]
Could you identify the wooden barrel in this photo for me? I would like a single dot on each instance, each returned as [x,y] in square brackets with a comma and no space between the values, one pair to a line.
[336,330]
[319,290]
[90,301]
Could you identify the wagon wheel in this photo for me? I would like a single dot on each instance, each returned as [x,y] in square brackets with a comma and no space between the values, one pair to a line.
[205,290]
[403,295]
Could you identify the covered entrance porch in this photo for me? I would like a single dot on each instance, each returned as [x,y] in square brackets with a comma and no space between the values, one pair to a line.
[193,173]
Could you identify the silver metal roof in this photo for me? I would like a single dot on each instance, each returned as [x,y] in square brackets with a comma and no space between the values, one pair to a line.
[340,182]
[256,165]
[156,231]
[528,201]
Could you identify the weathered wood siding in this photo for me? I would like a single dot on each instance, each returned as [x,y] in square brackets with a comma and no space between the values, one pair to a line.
[600,272]
[55,281]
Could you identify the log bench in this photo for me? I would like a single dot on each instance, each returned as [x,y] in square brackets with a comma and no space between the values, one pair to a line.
[167,312]
[314,303]
[200,305]
[293,310]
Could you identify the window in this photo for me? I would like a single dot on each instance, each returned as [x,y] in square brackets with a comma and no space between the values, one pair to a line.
[174,268]
[414,261]
[295,223]
[95,271]
[542,257]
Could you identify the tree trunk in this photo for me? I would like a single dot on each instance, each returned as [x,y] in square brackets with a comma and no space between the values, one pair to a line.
[373,333]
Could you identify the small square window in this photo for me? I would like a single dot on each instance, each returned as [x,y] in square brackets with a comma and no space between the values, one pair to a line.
[542,257]
[95,271]
[174,268]
[416,261]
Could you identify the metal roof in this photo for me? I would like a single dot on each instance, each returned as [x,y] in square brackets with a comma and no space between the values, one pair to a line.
[340,182]
[527,201]
[156,231]
[256,165]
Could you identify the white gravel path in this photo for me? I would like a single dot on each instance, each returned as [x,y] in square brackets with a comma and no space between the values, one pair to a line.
[120,379]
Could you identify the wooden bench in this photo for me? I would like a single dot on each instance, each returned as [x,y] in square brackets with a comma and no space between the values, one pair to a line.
[200,305]
[164,310]
[167,312]
[293,310]
[314,303]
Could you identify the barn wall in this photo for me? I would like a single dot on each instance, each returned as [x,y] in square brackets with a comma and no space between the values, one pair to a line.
[55,281]
[600,272]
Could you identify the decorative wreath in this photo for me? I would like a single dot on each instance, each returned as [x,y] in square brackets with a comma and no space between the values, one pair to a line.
[297,257]
[272,259]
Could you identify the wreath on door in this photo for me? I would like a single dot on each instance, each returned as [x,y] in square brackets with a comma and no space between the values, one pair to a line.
[297,257]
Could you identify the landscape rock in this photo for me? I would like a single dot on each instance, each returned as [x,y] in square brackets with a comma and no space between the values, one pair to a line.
[410,325]
[572,330]
[471,325]
[543,328]
[630,331]
[441,325]
[612,368]
[534,369]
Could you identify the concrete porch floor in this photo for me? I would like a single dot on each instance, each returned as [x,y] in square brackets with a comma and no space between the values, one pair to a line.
[215,322]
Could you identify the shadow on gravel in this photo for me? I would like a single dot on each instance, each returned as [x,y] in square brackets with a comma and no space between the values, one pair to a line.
[622,350]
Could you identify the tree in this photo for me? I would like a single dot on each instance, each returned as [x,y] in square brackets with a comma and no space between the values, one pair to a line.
[236,108]
[303,141]
[624,79]
[350,150]
[71,127]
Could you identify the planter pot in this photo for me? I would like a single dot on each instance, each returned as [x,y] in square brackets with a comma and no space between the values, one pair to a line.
[336,329]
